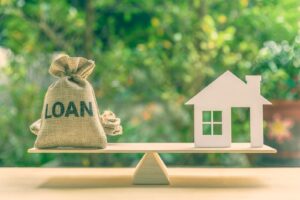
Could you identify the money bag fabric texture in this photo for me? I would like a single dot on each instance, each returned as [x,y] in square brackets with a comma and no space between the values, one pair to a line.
[70,116]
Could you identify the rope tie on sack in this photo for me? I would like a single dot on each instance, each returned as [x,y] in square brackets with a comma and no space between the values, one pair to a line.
[75,77]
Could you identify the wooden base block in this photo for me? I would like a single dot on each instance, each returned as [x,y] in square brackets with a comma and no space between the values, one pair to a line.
[151,170]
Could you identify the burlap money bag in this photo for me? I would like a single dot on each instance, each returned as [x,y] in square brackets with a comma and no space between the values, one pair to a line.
[70,116]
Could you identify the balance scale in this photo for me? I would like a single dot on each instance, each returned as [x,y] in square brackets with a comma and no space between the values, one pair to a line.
[151,170]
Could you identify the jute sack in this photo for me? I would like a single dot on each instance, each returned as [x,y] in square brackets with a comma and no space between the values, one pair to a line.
[70,116]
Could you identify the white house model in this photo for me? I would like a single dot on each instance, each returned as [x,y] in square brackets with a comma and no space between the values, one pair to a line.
[212,110]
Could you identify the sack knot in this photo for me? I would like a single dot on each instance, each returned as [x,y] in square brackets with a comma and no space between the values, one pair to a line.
[74,67]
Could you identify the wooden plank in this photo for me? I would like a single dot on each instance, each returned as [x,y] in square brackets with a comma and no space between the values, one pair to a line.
[160,148]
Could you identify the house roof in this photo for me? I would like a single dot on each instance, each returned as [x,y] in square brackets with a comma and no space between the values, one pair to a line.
[228,89]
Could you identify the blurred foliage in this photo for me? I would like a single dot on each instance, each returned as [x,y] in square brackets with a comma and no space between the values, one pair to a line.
[280,65]
[151,57]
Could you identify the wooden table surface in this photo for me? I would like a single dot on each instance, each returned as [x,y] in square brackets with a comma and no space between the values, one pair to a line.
[115,183]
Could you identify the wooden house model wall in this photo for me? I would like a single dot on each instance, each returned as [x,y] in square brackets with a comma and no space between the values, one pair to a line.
[212,110]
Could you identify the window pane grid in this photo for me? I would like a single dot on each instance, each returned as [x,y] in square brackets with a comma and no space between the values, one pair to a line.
[212,122]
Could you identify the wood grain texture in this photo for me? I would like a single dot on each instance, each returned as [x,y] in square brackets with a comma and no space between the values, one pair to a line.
[160,148]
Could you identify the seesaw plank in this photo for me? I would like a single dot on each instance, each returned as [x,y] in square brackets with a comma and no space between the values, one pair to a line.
[160,148]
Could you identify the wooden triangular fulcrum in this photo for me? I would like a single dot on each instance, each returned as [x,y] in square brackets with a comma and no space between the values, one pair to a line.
[151,170]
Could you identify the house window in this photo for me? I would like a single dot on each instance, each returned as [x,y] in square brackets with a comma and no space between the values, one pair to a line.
[212,122]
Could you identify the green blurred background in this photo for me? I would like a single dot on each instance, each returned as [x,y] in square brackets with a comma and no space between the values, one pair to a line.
[151,57]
